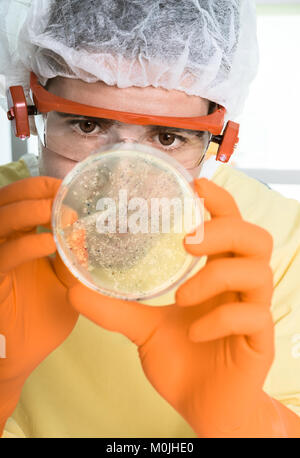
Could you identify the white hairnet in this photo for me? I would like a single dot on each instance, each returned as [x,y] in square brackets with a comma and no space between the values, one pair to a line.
[206,48]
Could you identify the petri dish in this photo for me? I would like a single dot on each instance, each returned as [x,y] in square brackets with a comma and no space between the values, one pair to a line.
[119,220]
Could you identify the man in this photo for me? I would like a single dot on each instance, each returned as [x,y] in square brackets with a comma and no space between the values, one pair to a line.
[208,350]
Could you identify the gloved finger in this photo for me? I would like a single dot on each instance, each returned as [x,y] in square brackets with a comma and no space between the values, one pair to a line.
[18,251]
[32,188]
[245,319]
[24,215]
[76,241]
[217,200]
[243,275]
[222,235]
[134,320]
[62,272]
[68,216]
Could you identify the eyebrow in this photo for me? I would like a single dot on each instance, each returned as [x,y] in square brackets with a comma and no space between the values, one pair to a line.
[113,122]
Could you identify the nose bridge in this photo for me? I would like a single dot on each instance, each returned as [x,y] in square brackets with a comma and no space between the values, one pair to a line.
[129,133]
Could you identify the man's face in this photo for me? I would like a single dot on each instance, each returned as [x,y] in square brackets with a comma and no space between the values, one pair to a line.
[149,100]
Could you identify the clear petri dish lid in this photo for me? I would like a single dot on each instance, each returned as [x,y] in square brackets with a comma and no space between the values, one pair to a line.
[119,220]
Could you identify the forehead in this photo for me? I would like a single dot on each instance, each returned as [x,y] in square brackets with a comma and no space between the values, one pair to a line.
[148,100]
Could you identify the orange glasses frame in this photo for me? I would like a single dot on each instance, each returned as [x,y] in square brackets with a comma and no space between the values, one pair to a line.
[44,102]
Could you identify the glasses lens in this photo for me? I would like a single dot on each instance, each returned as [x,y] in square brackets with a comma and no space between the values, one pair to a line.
[76,137]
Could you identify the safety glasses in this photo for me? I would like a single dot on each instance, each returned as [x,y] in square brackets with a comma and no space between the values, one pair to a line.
[45,102]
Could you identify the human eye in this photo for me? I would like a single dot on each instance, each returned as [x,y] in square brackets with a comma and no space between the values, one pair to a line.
[87,127]
[169,140]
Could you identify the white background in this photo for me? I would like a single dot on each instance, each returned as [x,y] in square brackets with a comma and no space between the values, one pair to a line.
[270,121]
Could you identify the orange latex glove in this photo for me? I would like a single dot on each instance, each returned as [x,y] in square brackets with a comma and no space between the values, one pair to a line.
[209,353]
[35,314]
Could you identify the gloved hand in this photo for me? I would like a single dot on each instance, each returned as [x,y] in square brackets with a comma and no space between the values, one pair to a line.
[35,314]
[209,353]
